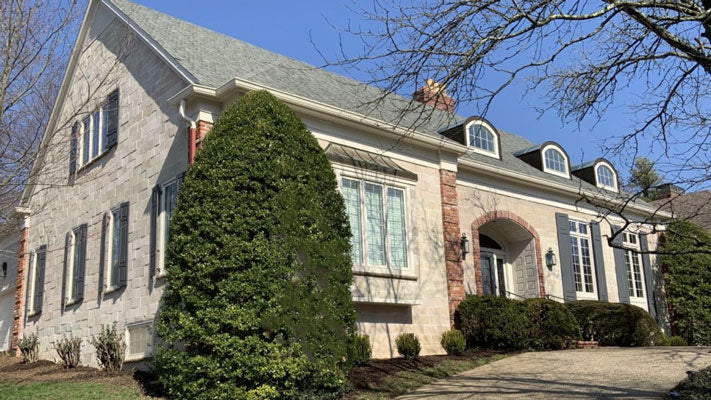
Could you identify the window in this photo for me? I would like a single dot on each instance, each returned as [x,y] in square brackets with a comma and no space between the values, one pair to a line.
[380,209]
[555,162]
[163,202]
[605,177]
[633,265]
[581,250]
[482,139]
[140,341]
[36,281]
[4,270]
[95,134]
[75,265]
[115,236]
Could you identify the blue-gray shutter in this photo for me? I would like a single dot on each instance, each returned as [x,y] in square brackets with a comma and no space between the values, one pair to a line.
[648,275]
[623,290]
[565,256]
[73,149]
[39,279]
[155,210]
[599,261]
[102,254]
[112,120]
[123,245]
[80,267]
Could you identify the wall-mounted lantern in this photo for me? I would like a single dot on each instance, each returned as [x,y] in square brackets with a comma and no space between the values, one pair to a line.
[550,258]
[464,245]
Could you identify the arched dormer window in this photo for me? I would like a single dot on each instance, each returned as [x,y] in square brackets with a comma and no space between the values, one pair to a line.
[605,176]
[555,161]
[482,138]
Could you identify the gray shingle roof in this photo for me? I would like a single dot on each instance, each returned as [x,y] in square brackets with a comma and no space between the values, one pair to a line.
[213,59]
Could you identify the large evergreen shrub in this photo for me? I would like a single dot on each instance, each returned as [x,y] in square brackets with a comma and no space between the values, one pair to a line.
[687,279]
[615,324]
[258,302]
[554,326]
[494,322]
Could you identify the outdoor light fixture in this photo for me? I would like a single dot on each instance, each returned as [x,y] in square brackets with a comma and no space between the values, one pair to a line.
[464,244]
[550,258]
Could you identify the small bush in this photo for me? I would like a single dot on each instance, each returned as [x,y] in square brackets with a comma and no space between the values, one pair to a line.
[360,350]
[663,341]
[616,324]
[553,326]
[110,348]
[29,348]
[408,345]
[454,342]
[677,341]
[69,351]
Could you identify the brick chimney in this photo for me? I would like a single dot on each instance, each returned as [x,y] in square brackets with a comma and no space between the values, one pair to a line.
[434,94]
[667,191]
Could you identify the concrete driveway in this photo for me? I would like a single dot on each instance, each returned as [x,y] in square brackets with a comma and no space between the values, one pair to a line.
[605,373]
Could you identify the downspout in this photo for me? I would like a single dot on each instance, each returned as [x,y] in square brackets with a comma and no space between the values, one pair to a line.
[192,134]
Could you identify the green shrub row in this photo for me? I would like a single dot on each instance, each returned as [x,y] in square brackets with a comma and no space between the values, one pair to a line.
[615,324]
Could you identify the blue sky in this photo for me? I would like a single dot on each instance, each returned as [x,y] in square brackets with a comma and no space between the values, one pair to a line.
[284,27]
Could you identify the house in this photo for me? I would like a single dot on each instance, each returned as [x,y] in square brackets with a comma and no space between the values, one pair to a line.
[694,206]
[9,248]
[454,206]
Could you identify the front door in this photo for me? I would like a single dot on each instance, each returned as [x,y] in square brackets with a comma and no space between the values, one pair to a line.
[493,273]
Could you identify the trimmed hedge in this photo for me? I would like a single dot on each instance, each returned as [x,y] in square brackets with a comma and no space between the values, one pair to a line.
[501,323]
[258,297]
[615,324]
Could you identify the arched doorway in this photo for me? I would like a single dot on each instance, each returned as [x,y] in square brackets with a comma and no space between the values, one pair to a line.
[507,256]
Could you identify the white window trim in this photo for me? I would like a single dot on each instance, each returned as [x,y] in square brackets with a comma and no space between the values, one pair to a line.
[161,226]
[127,337]
[69,298]
[613,188]
[583,294]
[101,109]
[495,153]
[633,250]
[31,276]
[565,174]
[362,176]
[108,272]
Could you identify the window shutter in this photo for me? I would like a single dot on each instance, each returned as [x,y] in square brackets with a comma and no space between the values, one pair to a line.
[67,262]
[599,261]
[620,268]
[39,280]
[102,254]
[565,255]
[112,120]
[30,280]
[80,268]
[73,149]
[648,275]
[155,210]
[123,244]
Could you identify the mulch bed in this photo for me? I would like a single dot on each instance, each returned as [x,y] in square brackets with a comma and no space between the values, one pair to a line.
[375,371]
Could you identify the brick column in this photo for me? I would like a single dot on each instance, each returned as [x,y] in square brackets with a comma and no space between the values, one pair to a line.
[196,136]
[23,259]
[452,237]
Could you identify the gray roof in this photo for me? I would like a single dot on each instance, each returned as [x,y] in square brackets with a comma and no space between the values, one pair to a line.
[214,59]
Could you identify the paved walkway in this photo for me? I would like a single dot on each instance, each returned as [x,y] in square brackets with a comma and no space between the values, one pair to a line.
[605,373]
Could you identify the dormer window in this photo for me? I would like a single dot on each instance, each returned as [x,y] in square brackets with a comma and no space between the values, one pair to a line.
[605,177]
[482,138]
[554,161]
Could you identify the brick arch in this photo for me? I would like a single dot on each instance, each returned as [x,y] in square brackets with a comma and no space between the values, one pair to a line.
[476,249]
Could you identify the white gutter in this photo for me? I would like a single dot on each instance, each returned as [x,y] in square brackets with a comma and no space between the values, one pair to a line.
[181,110]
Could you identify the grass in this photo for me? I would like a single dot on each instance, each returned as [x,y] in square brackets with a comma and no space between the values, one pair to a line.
[66,390]
[406,381]
[697,387]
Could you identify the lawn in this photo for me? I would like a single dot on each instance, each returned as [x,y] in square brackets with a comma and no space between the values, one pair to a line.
[67,390]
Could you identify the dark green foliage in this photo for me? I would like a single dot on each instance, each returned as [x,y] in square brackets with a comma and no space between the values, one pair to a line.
[258,303]
[696,387]
[554,326]
[360,350]
[677,341]
[69,351]
[615,324]
[454,342]
[110,348]
[644,178]
[687,280]
[408,345]
[663,341]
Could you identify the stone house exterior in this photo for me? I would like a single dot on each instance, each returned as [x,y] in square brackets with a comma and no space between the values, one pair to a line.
[451,207]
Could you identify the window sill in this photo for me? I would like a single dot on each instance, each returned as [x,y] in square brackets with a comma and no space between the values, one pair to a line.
[34,314]
[72,302]
[385,301]
[586,296]
[90,163]
[138,357]
[112,289]
[385,273]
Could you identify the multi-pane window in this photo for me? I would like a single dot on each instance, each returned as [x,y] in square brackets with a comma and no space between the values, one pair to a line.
[140,341]
[555,161]
[163,202]
[115,248]
[376,214]
[633,264]
[95,134]
[75,256]
[116,240]
[581,251]
[481,138]
[605,177]
[36,279]
[170,197]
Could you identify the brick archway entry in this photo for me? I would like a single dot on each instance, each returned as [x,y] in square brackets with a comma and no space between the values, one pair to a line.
[476,249]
